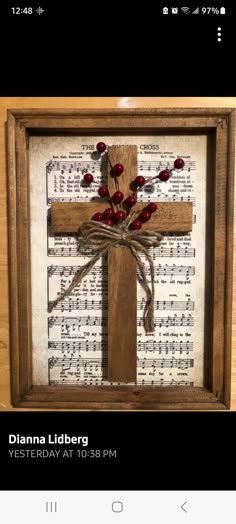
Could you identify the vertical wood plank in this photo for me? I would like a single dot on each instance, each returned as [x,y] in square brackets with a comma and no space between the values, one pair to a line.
[219,276]
[23,258]
[122,315]
[13,282]
[229,259]
[122,284]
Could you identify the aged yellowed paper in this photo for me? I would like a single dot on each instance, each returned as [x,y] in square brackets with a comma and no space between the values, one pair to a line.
[69,344]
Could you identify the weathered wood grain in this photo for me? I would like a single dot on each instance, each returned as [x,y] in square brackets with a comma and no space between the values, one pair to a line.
[216,395]
[170,217]
[122,284]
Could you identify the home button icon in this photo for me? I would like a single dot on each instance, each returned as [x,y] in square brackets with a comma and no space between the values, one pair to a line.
[117,506]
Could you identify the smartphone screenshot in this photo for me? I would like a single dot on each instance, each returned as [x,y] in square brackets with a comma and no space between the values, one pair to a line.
[117,346]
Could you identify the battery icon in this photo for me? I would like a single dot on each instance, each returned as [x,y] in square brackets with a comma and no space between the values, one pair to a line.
[222,11]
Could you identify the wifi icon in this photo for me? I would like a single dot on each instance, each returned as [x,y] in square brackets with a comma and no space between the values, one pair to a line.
[185,10]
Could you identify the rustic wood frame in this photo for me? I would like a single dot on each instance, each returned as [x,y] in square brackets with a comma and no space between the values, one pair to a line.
[219,126]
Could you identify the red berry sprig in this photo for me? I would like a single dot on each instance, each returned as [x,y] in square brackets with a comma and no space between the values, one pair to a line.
[101,147]
[131,201]
[136,224]
[109,215]
[164,175]
[117,197]
[152,207]
[120,216]
[98,217]
[179,163]
[109,222]
[118,169]
[139,181]
[145,216]
[103,191]
[88,178]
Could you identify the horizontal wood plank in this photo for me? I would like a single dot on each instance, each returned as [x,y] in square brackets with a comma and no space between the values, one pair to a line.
[120,393]
[120,398]
[83,112]
[67,217]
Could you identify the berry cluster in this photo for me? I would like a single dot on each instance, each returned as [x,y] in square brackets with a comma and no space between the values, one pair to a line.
[115,215]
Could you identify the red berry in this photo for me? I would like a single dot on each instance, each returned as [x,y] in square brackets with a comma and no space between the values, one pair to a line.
[152,207]
[117,197]
[119,216]
[108,213]
[98,217]
[164,175]
[103,191]
[118,169]
[109,222]
[145,215]
[101,147]
[136,224]
[139,181]
[88,178]
[179,163]
[131,201]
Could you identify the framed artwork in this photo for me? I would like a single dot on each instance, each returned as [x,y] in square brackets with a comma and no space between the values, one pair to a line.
[81,339]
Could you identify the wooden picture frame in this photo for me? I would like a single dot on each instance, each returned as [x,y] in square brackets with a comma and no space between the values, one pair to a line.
[219,126]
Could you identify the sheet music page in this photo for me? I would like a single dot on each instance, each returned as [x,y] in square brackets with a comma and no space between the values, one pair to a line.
[70,344]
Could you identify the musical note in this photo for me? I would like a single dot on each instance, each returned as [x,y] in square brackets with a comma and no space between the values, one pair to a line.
[182,252]
[148,363]
[92,381]
[101,271]
[69,304]
[96,166]
[70,324]
[150,345]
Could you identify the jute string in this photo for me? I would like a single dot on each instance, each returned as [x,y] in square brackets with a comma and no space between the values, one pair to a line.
[102,238]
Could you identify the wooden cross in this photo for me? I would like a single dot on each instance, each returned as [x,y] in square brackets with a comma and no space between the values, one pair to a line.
[122,271]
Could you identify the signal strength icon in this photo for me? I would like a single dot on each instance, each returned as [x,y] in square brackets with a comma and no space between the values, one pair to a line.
[196,12]
[185,10]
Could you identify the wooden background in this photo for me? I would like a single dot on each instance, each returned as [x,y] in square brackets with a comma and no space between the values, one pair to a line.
[37,102]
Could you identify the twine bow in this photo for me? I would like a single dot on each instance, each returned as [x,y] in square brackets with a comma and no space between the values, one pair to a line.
[101,237]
